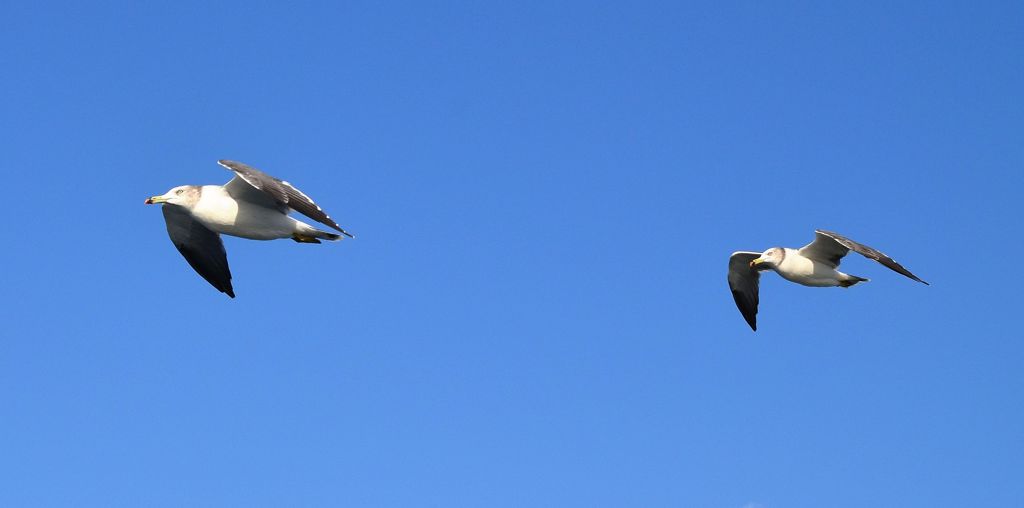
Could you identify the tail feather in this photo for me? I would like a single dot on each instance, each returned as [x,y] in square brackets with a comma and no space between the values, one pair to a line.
[311,236]
[850,280]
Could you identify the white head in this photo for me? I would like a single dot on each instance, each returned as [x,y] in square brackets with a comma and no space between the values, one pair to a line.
[183,195]
[769,259]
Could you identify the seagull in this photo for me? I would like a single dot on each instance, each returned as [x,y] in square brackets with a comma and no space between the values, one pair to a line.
[252,205]
[812,265]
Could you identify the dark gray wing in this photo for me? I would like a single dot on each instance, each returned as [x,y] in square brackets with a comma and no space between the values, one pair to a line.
[281,192]
[824,249]
[744,281]
[201,247]
[239,189]
[865,251]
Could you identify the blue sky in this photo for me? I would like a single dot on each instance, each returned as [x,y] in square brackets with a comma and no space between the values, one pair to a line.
[534,311]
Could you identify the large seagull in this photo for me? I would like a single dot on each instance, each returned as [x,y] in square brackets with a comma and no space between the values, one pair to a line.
[252,205]
[813,265]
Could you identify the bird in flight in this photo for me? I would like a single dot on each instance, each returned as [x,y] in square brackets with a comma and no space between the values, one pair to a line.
[252,205]
[812,265]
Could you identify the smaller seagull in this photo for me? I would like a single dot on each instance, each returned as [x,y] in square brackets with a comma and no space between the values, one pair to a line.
[812,265]
[252,205]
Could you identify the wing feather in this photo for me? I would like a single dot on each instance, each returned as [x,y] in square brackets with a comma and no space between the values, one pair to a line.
[281,192]
[242,190]
[744,282]
[202,248]
[865,251]
[824,249]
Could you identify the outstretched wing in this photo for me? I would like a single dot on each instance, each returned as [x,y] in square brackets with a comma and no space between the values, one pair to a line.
[280,192]
[744,281]
[863,250]
[824,249]
[201,247]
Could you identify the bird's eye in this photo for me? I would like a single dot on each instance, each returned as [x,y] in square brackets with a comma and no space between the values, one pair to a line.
[180,191]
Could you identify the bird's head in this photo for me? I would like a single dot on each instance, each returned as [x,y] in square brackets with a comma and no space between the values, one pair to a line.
[769,259]
[183,195]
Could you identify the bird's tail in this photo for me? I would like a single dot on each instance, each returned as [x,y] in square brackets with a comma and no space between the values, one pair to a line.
[311,235]
[851,280]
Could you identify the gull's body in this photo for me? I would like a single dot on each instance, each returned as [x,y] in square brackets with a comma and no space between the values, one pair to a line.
[808,272]
[814,264]
[221,213]
[252,205]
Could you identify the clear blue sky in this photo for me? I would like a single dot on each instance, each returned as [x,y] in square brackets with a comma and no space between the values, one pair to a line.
[534,311]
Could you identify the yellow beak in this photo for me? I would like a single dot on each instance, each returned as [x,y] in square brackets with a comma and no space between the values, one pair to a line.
[155,199]
[756,262]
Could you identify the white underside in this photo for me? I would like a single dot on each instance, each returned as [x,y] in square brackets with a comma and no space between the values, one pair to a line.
[807,272]
[223,214]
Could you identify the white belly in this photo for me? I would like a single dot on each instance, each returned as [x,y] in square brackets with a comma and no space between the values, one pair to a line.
[798,269]
[221,213]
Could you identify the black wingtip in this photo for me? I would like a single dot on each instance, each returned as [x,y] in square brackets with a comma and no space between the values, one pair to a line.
[334,225]
[749,317]
[909,275]
[915,277]
[230,292]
